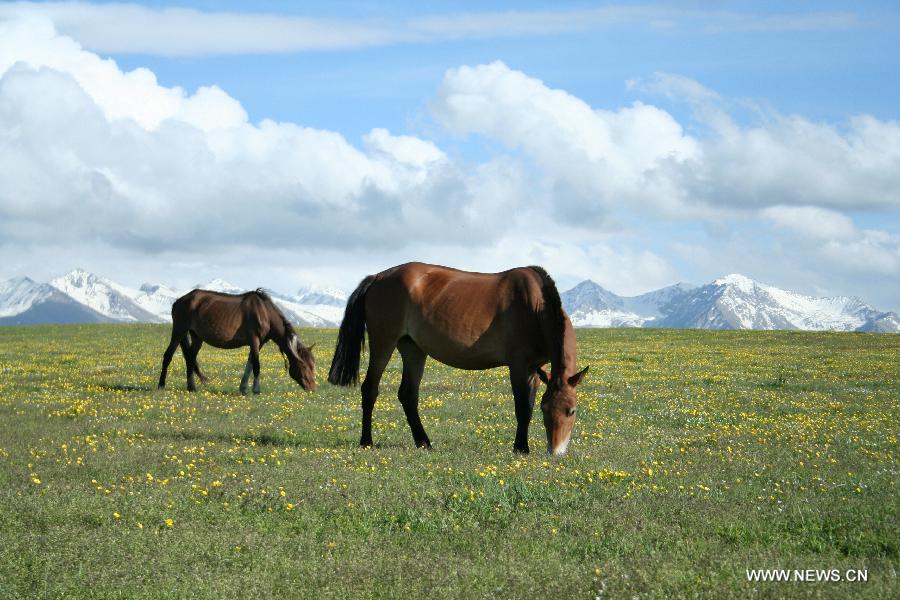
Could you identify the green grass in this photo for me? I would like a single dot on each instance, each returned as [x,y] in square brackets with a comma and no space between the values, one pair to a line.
[696,456]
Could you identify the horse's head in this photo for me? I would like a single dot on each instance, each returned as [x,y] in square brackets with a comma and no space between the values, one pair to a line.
[301,363]
[559,405]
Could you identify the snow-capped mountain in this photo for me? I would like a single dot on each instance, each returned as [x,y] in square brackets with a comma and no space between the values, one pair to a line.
[220,285]
[157,299]
[730,302]
[308,314]
[321,295]
[738,302]
[19,294]
[590,305]
[83,297]
[108,298]
[882,323]
[25,302]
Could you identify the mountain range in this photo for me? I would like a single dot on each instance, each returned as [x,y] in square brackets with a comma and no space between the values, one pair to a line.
[730,302]
[83,297]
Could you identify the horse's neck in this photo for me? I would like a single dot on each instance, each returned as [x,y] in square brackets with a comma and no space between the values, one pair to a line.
[278,332]
[565,363]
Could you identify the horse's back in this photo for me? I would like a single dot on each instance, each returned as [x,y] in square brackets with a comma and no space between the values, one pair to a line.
[425,283]
[220,319]
[465,319]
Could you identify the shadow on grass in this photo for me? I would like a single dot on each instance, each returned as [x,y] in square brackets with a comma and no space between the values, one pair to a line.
[126,387]
[261,439]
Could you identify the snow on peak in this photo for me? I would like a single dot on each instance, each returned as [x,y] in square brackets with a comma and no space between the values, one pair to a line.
[157,299]
[589,296]
[76,278]
[220,285]
[317,294]
[742,282]
[108,298]
[19,294]
[158,288]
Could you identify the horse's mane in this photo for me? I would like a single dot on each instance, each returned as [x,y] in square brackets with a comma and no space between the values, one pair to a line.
[554,321]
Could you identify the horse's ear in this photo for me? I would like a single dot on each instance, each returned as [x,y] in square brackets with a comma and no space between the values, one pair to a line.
[542,375]
[577,377]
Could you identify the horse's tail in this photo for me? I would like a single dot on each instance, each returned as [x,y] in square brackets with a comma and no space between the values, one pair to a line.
[351,338]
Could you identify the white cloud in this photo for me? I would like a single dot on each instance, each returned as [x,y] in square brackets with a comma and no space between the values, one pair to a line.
[812,222]
[675,87]
[641,156]
[134,95]
[872,251]
[91,152]
[595,159]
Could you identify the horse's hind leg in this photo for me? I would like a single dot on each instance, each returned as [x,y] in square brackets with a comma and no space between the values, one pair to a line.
[196,344]
[177,335]
[413,368]
[190,346]
[380,350]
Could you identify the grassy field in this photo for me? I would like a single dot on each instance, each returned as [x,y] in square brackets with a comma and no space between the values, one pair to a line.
[696,456]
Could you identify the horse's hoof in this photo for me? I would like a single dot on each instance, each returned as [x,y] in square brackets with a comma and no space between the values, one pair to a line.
[243,391]
[521,450]
[256,392]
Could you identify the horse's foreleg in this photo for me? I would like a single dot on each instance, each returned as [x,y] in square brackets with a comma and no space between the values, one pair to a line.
[524,387]
[379,356]
[254,359]
[177,335]
[247,370]
[413,368]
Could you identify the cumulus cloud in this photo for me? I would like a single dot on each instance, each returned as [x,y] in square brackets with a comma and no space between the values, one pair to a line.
[595,159]
[641,156]
[91,152]
[834,238]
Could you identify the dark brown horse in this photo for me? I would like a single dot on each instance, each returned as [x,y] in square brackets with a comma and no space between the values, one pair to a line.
[232,321]
[468,321]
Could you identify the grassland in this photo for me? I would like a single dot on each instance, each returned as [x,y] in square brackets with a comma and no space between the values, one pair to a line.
[696,456]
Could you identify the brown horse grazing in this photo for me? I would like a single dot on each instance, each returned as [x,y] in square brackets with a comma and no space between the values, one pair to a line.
[468,321]
[232,321]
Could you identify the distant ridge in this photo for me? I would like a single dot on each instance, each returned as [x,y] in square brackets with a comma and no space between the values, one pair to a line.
[80,296]
[730,302]
[25,302]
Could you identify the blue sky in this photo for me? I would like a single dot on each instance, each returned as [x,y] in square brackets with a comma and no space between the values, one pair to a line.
[824,74]
[741,83]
